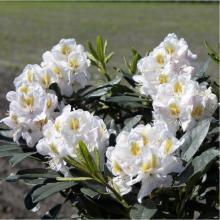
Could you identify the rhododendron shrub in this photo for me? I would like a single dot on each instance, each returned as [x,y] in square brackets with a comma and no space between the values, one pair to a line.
[143,144]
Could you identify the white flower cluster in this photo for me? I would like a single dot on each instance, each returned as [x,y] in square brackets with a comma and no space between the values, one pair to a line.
[147,153]
[33,104]
[144,154]
[30,109]
[61,137]
[167,75]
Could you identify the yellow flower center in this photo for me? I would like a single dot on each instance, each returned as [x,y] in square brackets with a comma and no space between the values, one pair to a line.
[46,79]
[65,50]
[28,101]
[53,148]
[49,103]
[23,89]
[29,76]
[163,78]
[178,87]
[145,139]
[57,71]
[169,49]
[150,165]
[116,168]
[168,146]
[14,118]
[135,149]
[160,59]
[74,63]
[74,125]
[197,111]
[42,122]
[174,109]
[57,125]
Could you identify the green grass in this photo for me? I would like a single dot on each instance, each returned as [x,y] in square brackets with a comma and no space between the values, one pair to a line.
[28,29]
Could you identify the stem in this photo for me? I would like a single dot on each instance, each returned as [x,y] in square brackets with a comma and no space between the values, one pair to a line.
[107,76]
[118,197]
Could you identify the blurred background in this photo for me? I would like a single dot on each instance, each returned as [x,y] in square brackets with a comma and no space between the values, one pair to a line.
[27,29]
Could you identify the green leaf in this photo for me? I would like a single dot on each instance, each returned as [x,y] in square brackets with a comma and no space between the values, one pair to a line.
[193,139]
[17,158]
[56,89]
[145,210]
[100,53]
[34,173]
[9,150]
[96,157]
[49,189]
[76,179]
[105,46]
[29,204]
[87,158]
[4,148]
[99,92]
[119,99]
[7,154]
[6,133]
[108,57]
[131,122]
[92,51]
[89,192]
[213,54]
[197,166]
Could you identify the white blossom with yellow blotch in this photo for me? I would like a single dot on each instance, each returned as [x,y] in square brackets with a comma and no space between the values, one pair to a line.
[183,102]
[30,109]
[61,138]
[171,57]
[145,154]
[68,63]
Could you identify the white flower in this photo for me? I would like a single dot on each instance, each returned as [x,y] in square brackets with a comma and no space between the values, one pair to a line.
[182,102]
[177,49]
[35,74]
[28,76]
[61,138]
[120,184]
[144,154]
[64,48]
[68,63]
[172,57]
[30,109]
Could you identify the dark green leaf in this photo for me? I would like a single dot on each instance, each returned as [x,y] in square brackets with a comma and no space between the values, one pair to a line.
[29,204]
[34,173]
[17,158]
[8,147]
[131,122]
[49,189]
[193,139]
[197,166]
[119,99]
[88,192]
